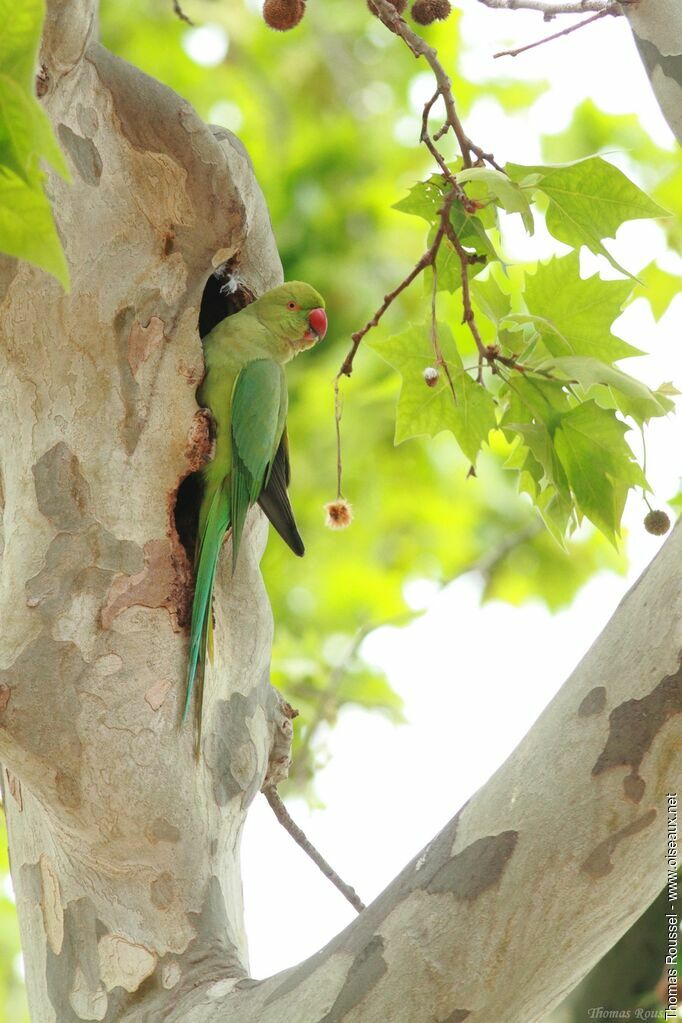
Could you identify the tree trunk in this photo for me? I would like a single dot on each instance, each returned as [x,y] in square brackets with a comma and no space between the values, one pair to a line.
[125,849]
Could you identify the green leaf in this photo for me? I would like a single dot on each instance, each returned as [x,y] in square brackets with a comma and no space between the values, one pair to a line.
[542,400]
[588,201]
[504,192]
[470,416]
[26,133]
[640,402]
[20,39]
[574,315]
[490,299]
[27,229]
[659,288]
[423,200]
[599,464]
[471,232]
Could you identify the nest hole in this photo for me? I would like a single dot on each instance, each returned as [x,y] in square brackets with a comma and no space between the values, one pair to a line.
[223,295]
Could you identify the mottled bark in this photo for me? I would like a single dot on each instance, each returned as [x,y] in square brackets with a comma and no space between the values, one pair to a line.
[657,29]
[125,850]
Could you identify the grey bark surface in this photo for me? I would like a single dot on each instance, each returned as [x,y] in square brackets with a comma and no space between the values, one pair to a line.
[657,29]
[124,850]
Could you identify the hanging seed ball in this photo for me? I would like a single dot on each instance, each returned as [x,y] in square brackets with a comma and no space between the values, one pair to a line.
[657,522]
[399,5]
[339,514]
[425,12]
[283,14]
[431,375]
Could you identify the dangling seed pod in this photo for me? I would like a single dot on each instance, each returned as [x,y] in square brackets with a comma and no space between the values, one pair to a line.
[657,522]
[425,12]
[431,376]
[399,5]
[339,514]
[283,14]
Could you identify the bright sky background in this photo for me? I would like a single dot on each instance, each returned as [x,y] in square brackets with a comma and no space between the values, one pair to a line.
[469,698]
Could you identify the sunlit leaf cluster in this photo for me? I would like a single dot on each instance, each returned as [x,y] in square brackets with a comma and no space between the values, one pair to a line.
[546,377]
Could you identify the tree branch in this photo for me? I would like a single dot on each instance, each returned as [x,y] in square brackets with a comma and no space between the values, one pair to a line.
[285,819]
[550,9]
[540,873]
[557,35]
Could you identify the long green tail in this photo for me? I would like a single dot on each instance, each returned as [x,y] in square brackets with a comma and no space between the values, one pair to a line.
[216,525]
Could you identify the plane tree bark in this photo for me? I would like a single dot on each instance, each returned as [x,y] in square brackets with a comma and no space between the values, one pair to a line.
[124,848]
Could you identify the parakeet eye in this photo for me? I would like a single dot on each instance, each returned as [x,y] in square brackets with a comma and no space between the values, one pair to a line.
[292,305]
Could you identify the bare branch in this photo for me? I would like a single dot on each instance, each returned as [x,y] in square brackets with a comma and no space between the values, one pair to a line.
[285,819]
[550,9]
[556,35]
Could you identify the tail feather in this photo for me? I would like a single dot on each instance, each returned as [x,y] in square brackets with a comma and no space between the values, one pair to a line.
[216,525]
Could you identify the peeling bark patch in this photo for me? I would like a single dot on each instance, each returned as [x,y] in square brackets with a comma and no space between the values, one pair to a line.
[598,863]
[133,405]
[38,701]
[51,904]
[475,869]
[156,694]
[63,494]
[634,788]
[162,891]
[366,970]
[123,963]
[14,786]
[230,759]
[68,789]
[161,830]
[5,693]
[72,976]
[634,725]
[594,702]
[457,1016]
[142,341]
[671,66]
[84,154]
[154,586]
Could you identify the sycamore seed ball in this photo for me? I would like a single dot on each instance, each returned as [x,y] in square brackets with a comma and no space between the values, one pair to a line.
[424,12]
[283,14]
[657,522]
[339,514]
[430,376]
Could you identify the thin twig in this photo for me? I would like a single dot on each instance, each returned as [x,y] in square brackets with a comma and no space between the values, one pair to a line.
[548,8]
[284,818]
[338,412]
[180,13]
[556,35]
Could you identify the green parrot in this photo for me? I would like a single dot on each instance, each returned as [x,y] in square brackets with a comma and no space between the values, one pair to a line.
[245,390]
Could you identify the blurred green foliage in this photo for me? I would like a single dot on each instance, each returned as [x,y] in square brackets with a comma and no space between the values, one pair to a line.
[330,115]
[27,228]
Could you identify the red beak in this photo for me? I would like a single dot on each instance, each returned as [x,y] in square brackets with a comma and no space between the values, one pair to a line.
[317,319]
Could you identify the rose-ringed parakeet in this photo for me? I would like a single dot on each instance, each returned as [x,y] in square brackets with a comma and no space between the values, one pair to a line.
[245,390]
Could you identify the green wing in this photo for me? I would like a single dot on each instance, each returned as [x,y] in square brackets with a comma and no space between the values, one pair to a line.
[259,409]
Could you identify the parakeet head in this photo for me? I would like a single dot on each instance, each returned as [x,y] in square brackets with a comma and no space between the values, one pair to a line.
[294,312]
